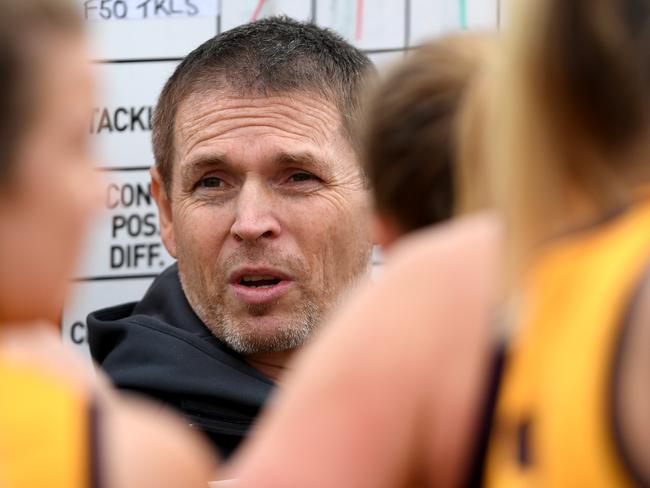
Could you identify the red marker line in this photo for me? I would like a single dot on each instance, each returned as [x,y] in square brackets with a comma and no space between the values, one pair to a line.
[358,34]
[257,10]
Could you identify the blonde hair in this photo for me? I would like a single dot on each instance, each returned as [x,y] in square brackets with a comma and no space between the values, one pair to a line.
[471,183]
[572,89]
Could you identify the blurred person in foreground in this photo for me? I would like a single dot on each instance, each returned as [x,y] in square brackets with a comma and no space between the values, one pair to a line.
[392,393]
[572,173]
[569,407]
[59,425]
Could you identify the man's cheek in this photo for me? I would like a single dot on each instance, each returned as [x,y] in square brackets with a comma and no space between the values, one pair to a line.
[339,230]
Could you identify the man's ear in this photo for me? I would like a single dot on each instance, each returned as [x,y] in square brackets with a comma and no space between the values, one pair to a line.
[385,230]
[159,193]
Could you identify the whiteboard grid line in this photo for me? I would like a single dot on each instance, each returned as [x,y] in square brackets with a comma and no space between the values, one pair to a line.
[385,50]
[86,279]
[124,168]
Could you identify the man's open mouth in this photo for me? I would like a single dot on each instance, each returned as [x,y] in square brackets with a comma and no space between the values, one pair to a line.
[259,281]
[258,285]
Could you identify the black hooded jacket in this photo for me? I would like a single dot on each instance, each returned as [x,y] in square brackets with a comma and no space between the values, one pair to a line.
[160,348]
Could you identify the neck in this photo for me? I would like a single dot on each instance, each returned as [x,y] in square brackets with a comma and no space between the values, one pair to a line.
[270,364]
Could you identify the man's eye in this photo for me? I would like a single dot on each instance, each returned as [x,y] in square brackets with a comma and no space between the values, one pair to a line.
[298,177]
[211,182]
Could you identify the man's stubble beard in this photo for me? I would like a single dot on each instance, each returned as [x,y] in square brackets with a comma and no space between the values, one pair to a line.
[246,339]
[300,325]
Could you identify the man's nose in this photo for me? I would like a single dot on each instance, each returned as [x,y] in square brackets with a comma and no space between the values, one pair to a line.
[255,218]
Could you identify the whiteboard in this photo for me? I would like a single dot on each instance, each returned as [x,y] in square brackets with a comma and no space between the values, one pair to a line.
[136,46]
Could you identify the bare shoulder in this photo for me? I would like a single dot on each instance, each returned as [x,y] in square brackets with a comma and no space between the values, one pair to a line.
[449,273]
[475,238]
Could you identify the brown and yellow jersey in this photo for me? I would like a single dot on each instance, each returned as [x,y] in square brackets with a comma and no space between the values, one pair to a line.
[554,421]
[46,431]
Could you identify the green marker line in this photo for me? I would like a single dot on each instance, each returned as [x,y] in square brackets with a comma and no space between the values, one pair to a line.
[463,14]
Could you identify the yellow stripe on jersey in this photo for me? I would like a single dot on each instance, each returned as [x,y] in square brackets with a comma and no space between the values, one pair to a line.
[553,424]
[44,438]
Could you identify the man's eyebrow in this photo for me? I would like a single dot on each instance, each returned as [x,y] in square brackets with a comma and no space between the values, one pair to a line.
[199,164]
[304,160]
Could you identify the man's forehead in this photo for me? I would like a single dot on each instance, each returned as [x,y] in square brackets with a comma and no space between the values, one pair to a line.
[215,116]
[221,101]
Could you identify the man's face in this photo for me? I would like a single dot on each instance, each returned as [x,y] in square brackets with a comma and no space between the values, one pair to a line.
[267,215]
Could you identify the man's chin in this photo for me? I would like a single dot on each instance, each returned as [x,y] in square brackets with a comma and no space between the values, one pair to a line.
[261,324]
[256,341]
[250,334]
[259,310]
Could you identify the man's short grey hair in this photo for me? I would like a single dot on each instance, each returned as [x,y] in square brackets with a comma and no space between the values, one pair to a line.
[272,56]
